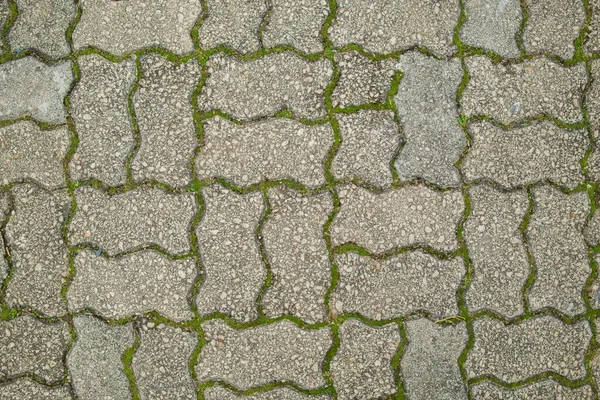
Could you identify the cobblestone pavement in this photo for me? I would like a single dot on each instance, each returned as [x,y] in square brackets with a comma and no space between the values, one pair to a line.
[299,199]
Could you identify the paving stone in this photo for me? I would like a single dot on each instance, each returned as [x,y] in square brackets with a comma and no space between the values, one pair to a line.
[27,152]
[4,14]
[296,23]
[369,142]
[120,27]
[553,26]
[161,363]
[166,120]
[541,390]
[499,258]
[361,368]
[397,286]
[405,216]
[100,109]
[429,365]
[31,346]
[277,352]
[39,254]
[558,249]
[520,156]
[361,80]
[230,253]
[517,92]
[42,25]
[513,353]
[492,26]
[374,25]
[593,166]
[31,88]
[297,254]
[5,207]
[25,388]
[94,362]
[591,43]
[592,230]
[132,284]
[140,217]
[592,99]
[264,86]
[270,149]
[595,366]
[426,103]
[283,393]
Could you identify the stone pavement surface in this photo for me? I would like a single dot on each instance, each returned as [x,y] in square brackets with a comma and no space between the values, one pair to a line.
[309,199]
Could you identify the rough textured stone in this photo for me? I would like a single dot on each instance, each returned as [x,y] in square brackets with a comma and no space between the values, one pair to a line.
[499,258]
[161,363]
[405,216]
[166,120]
[31,346]
[132,284]
[264,86]
[493,26]
[516,352]
[517,92]
[95,363]
[397,286]
[592,101]
[5,207]
[25,388]
[534,153]
[284,393]
[374,25]
[591,43]
[41,25]
[100,110]
[429,365]
[541,390]
[426,103]
[120,27]
[369,142]
[31,88]
[230,254]
[297,254]
[592,229]
[558,249]
[277,352]
[39,254]
[27,152]
[130,220]
[4,14]
[593,166]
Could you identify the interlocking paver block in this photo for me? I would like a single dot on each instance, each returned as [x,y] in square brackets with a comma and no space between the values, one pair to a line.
[361,368]
[297,254]
[553,26]
[161,363]
[140,217]
[592,100]
[397,286]
[520,156]
[26,388]
[492,25]
[132,284]
[591,43]
[166,120]
[374,25]
[296,23]
[277,352]
[4,14]
[230,253]
[99,106]
[429,365]
[592,230]
[31,346]
[39,254]
[95,363]
[558,249]
[264,86]
[517,92]
[513,353]
[270,149]
[120,27]
[426,103]
[5,206]
[27,152]
[495,242]
[31,88]
[593,166]
[361,80]
[42,25]
[412,215]
[541,390]
[283,393]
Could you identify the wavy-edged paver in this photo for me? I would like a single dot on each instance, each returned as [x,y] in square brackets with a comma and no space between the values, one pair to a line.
[592,99]
[218,392]
[229,250]
[547,389]
[132,284]
[591,44]
[140,217]
[277,352]
[592,229]
[25,388]
[100,110]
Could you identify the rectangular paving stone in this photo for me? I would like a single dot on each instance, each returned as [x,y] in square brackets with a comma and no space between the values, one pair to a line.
[542,390]
[26,388]
[217,392]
